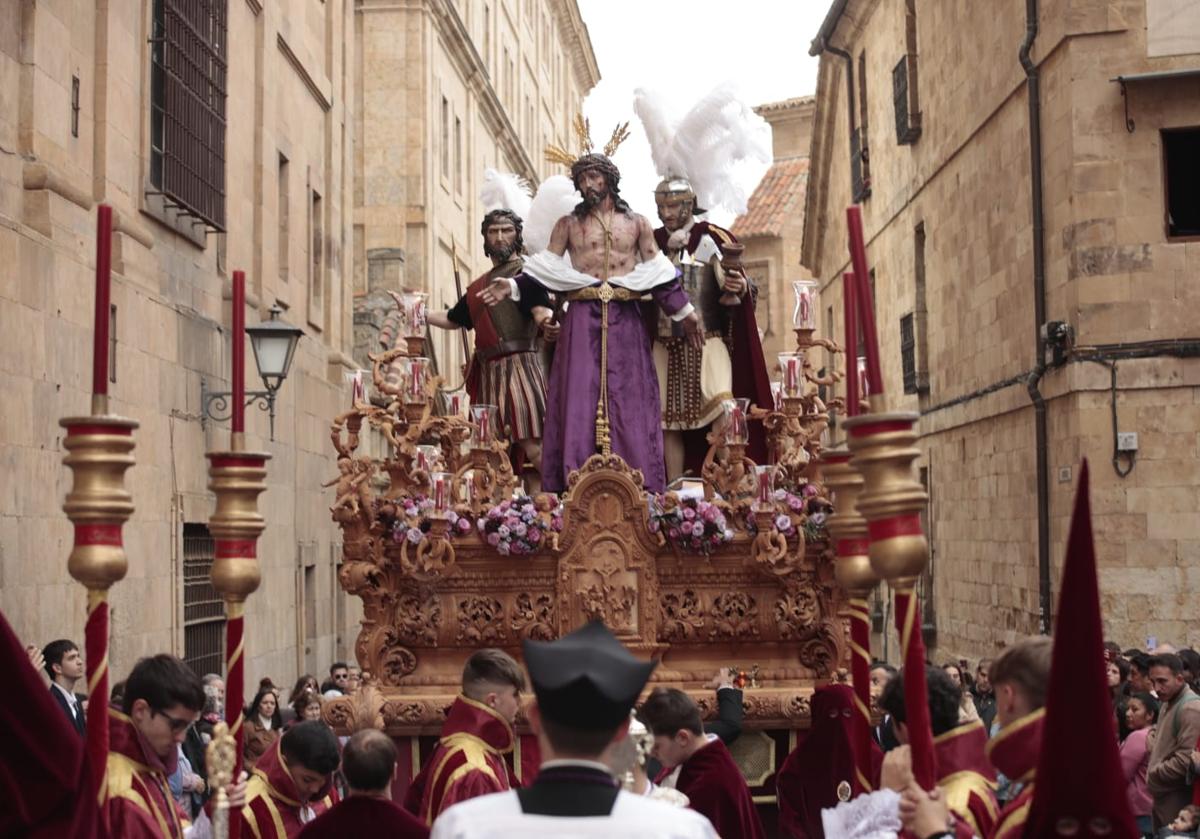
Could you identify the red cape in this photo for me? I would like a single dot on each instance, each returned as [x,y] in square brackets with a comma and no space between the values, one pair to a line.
[809,778]
[967,780]
[44,772]
[469,761]
[717,790]
[272,800]
[1014,752]
[361,816]
[139,804]
[750,378]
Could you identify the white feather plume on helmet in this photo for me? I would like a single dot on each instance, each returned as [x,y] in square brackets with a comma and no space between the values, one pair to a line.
[706,146]
[505,191]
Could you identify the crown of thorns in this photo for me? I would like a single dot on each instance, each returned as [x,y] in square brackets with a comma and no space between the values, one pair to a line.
[583,131]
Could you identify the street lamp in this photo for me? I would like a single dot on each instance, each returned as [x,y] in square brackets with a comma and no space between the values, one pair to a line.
[274,343]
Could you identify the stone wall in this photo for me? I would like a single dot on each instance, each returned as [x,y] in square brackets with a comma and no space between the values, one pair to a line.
[287,95]
[1111,273]
[509,75]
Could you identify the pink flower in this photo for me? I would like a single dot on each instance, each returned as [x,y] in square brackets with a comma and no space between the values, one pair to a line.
[795,503]
[533,535]
[809,490]
[689,513]
[710,513]
[783,524]
[493,539]
[414,535]
[464,524]
[673,533]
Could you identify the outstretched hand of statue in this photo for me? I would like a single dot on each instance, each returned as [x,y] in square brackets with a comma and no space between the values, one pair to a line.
[691,326]
[499,290]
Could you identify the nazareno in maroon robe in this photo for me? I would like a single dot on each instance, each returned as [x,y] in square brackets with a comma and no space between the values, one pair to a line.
[716,789]
[360,815]
[809,778]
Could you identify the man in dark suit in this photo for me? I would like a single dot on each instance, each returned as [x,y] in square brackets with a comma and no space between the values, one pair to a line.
[65,666]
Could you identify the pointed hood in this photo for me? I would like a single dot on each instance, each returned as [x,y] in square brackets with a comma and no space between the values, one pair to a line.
[1079,728]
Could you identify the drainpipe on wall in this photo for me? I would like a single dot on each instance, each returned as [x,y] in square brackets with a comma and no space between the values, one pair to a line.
[1032,85]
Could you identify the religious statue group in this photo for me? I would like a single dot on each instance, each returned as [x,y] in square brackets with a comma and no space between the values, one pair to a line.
[616,337]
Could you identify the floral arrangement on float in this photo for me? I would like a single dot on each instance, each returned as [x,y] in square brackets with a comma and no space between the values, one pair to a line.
[803,511]
[690,525]
[522,525]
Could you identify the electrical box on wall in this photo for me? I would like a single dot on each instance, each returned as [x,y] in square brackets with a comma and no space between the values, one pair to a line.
[1127,441]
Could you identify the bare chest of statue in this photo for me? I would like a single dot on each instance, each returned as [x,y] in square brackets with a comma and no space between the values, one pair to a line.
[604,244]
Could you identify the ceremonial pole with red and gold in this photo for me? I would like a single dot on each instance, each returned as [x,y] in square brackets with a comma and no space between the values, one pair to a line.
[237,477]
[853,572]
[852,568]
[883,450]
[99,450]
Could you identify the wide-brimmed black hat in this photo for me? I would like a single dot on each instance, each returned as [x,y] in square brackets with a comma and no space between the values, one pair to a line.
[586,679]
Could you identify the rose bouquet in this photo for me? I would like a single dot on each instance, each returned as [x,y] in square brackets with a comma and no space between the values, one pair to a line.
[412,519]
[692,524]
[521,525]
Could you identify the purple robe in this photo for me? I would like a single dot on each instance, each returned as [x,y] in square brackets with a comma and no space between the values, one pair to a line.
[634,412]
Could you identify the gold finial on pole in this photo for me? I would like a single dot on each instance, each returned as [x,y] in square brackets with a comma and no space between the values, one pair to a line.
[220,758]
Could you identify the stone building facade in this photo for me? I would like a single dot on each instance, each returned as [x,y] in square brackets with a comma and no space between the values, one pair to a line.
[445,89]
[773,225]
[94,99]
[924,118]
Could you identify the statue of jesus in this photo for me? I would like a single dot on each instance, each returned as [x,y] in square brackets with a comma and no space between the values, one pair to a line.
[603,394]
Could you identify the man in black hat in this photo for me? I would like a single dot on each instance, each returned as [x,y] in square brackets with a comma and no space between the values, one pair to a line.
[585,684]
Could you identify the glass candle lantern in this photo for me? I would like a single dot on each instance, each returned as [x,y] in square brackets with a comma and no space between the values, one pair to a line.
[416,377]
[428,458]
[764,486]
[358,387]
[863,390]
[777,395]
[791,366]
[483,422]
[413,304]
[737,426]
[440,490]
[804,316]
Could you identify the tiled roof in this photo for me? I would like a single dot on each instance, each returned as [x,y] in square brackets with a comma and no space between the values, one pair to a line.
[785,104]
[779,193]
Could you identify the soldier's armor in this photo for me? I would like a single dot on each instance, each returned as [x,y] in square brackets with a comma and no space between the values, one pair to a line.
[517,333]
[699,280]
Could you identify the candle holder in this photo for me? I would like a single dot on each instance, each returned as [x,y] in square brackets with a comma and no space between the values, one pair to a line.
[791,371]
[99,451]
[883,448]
[237,478]
[413,308]
[804,314]
[883,451]
[483,421]
[736,421]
